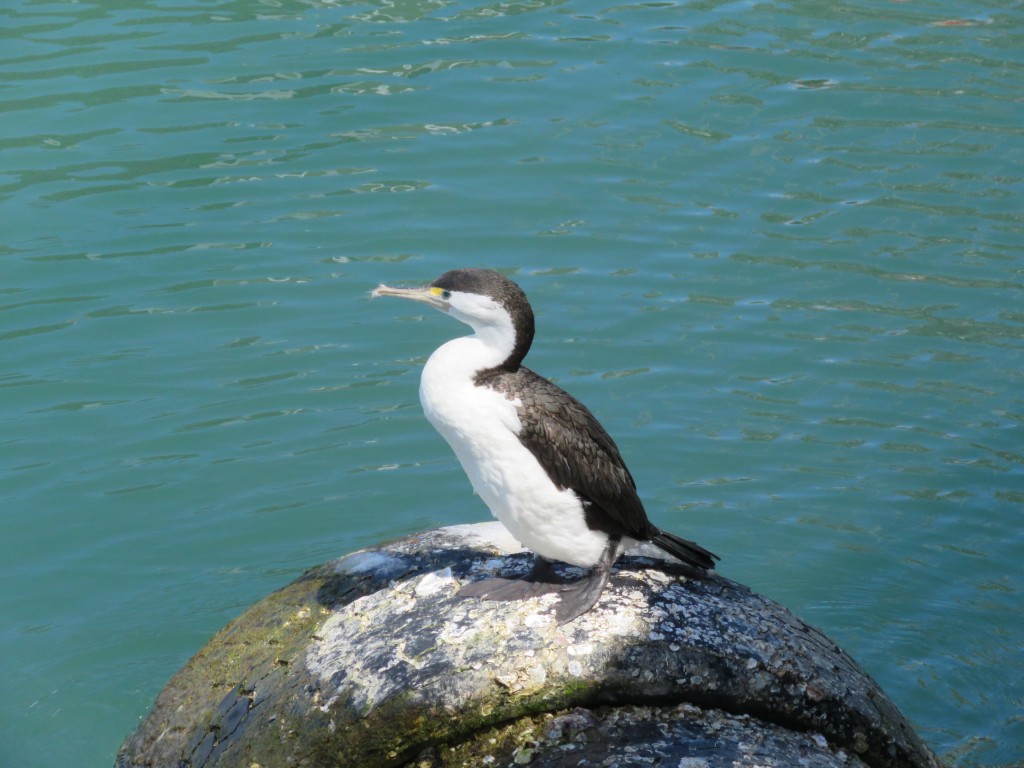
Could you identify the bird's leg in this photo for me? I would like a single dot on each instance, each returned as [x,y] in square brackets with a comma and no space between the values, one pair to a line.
[577,598]
[543,572]
[541,580]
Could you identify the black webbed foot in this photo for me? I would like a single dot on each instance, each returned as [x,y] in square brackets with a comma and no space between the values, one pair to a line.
[575,598]
[541,580]
[578,597]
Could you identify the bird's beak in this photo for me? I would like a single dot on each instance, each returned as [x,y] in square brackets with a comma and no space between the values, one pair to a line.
[426,294]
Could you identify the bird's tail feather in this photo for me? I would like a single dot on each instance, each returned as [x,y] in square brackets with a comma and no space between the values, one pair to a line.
[687,551]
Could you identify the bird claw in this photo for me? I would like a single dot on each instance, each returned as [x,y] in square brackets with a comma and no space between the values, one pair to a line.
[499,589]
[575,598]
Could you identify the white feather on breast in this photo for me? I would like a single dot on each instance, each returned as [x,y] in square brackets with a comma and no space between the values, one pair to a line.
[482,426]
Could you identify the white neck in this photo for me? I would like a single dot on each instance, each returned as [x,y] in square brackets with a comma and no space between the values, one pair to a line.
[448,385]
[459,360]
[490,345]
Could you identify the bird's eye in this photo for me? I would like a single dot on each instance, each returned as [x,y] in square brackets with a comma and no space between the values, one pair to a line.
[446,295]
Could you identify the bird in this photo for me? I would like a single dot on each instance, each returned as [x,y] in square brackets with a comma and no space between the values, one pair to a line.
[536,456]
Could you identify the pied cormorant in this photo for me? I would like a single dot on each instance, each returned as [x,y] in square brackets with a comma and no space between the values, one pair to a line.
[538,458]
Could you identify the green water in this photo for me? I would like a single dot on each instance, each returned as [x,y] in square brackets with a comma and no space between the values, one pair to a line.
[777,248]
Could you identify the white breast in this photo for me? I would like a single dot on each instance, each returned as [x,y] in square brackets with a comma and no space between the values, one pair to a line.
[482,426]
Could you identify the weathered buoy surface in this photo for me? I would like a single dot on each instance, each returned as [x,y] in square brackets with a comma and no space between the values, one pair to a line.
[371,660]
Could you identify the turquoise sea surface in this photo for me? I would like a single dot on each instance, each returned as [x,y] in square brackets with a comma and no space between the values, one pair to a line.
[778,249]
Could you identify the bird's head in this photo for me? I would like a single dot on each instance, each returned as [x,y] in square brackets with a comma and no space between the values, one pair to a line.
[487,301]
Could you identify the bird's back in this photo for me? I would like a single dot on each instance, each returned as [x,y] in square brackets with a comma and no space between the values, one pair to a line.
[575,450]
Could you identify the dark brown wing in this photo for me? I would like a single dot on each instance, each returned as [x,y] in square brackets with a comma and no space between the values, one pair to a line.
[575,451]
